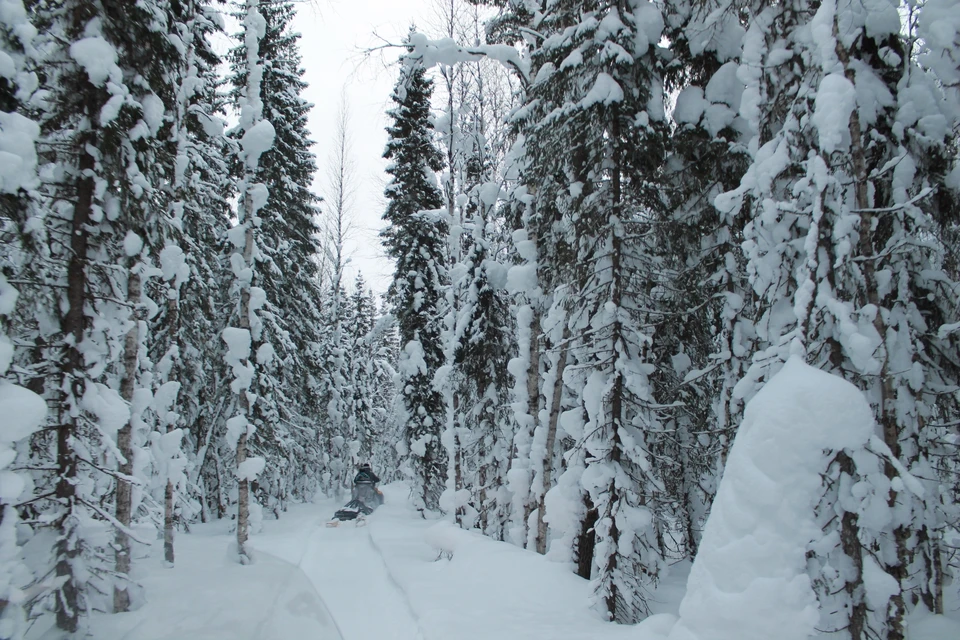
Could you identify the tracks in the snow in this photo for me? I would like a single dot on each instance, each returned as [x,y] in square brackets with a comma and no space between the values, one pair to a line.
[396,585]
[296,571]
[351,575]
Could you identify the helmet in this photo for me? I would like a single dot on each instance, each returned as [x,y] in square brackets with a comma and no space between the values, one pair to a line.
[364,465]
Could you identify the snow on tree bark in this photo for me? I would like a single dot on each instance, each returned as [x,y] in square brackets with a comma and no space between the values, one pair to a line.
[257,138]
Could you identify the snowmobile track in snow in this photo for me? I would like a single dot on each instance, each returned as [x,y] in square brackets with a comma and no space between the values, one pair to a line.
[351,576]
[296,568]
[396,585]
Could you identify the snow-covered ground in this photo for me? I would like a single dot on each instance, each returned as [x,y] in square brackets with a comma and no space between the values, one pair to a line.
[398,578]
[209,596]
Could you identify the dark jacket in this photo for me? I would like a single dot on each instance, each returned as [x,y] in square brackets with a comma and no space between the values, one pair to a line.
[366,475]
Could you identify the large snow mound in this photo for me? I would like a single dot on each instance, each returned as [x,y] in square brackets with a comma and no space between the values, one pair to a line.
[749,580]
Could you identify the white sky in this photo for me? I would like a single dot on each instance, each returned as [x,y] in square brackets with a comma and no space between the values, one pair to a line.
[335,34]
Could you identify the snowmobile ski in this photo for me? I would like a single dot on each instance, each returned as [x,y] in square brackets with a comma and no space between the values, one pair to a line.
[354,511]
[359,521]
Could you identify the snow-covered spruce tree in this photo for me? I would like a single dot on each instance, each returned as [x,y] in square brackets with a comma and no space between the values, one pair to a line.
[702,313]
[288,247]
[850,166]
[23,409]
[247,336]
[481,340]
[385,345]
[416,239]
[363,414]
[595,137]
[106,89]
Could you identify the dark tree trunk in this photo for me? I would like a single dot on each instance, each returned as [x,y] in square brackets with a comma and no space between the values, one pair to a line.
[73,326]
[587,540]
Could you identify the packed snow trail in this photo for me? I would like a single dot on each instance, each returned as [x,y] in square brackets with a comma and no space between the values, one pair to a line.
[401,577]
[348,573]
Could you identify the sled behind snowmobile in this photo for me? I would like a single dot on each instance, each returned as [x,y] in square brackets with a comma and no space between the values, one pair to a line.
[353,510]
[366,498]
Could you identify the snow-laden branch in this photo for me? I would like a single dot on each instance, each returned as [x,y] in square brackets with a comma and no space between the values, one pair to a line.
[447,51]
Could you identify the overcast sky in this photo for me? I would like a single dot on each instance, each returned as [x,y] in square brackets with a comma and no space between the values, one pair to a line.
[334,35]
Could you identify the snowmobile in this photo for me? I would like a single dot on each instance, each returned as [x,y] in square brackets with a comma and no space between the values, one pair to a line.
[366,497]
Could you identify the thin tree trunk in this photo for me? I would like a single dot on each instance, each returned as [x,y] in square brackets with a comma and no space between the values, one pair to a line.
[73,326]
[218,467]
[586,540]
[243,489]
[850,543]
[173,310]
[243,503]
[533,371]
[548,456]
[482,493]
[887,418]
[533,405]
[457,464]
[131,345]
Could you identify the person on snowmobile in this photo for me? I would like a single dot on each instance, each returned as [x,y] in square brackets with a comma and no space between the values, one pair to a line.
[365,486]
[366,474]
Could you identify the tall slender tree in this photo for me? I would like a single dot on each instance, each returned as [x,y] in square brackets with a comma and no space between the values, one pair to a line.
[290,367]
[416,239]
[246,338]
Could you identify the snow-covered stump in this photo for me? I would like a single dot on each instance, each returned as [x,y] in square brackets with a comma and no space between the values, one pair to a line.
[802,496]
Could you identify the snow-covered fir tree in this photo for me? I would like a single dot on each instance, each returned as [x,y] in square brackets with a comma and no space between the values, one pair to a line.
[416,239]
[479,349]
[703,331]
[100,126]
[364,415]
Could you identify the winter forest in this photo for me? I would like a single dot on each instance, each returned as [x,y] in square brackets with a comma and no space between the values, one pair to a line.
[675,284]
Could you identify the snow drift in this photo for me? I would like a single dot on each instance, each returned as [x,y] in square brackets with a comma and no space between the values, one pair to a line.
[749,580]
